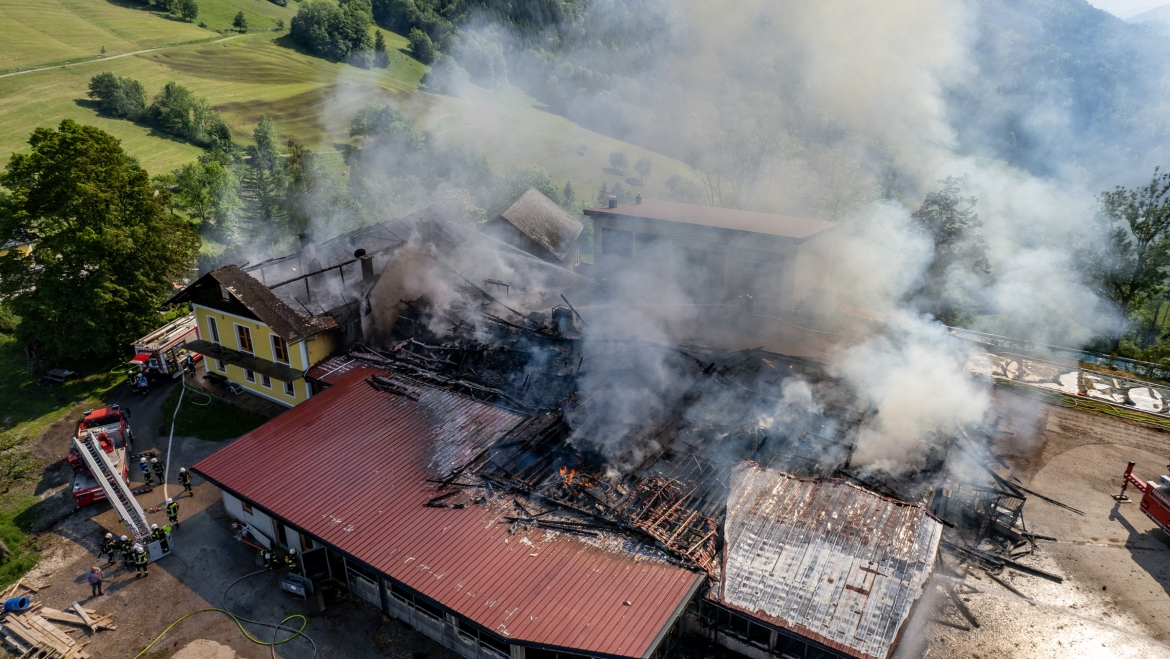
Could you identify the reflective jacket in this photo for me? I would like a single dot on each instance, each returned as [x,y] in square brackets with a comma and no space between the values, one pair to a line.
[172,510]
[141,558]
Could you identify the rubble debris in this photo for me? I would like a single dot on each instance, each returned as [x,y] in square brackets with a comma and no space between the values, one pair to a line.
[31,634]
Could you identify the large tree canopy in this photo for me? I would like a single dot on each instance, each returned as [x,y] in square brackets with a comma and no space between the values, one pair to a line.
[106,251]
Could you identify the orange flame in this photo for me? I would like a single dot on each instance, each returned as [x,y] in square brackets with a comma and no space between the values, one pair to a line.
[568,474]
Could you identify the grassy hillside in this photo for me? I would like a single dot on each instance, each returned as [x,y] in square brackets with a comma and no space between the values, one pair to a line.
[312,101]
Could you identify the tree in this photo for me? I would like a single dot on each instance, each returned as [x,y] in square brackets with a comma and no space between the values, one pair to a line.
[118,97]
[623,195]
[1126,258]
[338,32]
[205,191]
[171,110]
[568,195]
[188,9]
[106,249]
[619,161]
[266,150]
[603,195]
[280,24]
[422,46]
[446,77]
[381,58]
[950,223]
[643,167]
[239,22]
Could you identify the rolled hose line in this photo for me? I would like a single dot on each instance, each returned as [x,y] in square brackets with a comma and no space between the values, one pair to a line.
[276,628]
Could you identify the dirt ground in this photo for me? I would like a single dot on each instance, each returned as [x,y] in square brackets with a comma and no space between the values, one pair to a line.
[206,560]
[1114,602]
[1115,599]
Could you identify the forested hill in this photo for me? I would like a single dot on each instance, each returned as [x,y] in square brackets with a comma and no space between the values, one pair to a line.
[1063,84]
[1053,84]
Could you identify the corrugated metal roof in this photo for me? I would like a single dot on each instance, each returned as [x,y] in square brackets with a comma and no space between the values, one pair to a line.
[350,467]
[331,370]
[826,559]
[539,218]
[784,226]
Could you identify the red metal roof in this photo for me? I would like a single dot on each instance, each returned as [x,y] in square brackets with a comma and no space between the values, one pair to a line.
[349,466]
[784,226]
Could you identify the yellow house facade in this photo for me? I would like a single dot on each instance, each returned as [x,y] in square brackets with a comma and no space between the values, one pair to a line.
[251,337]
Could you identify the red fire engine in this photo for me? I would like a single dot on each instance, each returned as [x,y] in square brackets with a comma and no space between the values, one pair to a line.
[111,427]
[159,352]
[1155,497]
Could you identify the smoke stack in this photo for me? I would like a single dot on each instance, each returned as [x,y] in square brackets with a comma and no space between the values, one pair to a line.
[638,198]
[612,201]
[367,262]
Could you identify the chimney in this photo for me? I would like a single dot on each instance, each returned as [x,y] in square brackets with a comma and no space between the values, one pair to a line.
[612,201]
[638,198]
[367,262]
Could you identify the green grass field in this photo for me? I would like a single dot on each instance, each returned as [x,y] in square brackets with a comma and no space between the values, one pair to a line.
[311,100]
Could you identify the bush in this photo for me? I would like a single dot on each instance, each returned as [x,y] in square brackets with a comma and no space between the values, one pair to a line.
[447,77]
[279,3]
[118,97]
[422,46]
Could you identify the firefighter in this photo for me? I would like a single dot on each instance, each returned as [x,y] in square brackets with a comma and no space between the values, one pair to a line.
[145,472]
[127,550]
[161,536]
[160,470]
[141,561]
[267,557]
[173,512]
[185,481]
[290,562]
[109,547]
[189,364]
[143,383]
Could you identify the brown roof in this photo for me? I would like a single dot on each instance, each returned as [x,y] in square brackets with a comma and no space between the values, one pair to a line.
[784,226]
[539,218]
[825,559]
[278,315]
[366,496]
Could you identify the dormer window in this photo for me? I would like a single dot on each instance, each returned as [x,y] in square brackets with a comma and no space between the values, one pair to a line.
[224,293]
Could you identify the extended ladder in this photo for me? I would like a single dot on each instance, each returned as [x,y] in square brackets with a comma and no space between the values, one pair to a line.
[116,489]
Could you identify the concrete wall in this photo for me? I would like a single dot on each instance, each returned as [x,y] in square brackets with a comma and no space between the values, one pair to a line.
[778,273]
[256,520]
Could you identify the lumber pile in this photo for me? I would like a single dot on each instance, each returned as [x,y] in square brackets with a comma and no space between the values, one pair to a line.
[32,635]
[21,588]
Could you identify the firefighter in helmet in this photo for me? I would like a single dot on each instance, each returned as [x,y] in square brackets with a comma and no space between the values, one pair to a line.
[185,480]
[173,512]
[160,470]
[127,549]
[142,465]
[161,536]
[268,558]
[290,562]
[109,547]
[143,383]
[141,561]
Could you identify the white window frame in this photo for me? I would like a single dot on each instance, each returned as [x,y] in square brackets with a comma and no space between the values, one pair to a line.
[220,366]
[213,329]
[250,375]
[265,381]
[290,389]
[250,351]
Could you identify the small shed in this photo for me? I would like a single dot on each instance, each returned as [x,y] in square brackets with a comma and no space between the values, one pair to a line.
[537,225]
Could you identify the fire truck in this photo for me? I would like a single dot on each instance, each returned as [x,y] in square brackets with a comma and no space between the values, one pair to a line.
[159,353]
[110,429]
[1155,497]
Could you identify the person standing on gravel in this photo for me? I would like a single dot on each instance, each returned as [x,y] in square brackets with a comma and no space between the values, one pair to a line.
[160,470]
[94,578]
[185,481]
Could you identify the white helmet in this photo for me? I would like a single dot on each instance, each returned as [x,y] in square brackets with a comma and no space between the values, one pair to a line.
[169,500]
[139,548]
[182,470]
[109,535]
[292,552]
[154,527]
[153,460]
[142,461]
[124,538]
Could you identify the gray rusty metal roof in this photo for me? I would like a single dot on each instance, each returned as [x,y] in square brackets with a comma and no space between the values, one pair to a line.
[825,559]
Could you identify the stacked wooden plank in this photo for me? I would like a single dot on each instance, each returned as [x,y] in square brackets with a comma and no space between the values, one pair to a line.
[22,587]
[34,637]
[81,617]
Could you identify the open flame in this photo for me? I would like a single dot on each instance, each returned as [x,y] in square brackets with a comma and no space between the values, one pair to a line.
[568,474]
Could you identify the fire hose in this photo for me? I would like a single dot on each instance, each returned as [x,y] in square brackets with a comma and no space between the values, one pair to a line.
[276,627]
